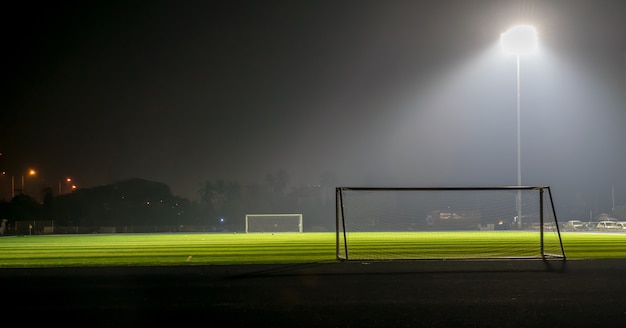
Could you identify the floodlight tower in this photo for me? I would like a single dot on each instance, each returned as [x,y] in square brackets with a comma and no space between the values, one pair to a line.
[519,40]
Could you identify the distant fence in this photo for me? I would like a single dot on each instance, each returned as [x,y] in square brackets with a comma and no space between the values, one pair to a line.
[43,227]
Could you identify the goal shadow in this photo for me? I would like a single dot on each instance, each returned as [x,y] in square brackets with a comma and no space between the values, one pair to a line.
[351,268]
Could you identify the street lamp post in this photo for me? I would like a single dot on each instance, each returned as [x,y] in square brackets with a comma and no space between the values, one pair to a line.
[31,172]
[519,40]
[69,186]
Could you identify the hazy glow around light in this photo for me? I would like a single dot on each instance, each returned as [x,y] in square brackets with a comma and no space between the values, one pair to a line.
[519,40]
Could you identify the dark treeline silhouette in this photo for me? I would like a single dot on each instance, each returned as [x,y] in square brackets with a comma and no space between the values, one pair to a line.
[221,205]
[228,200]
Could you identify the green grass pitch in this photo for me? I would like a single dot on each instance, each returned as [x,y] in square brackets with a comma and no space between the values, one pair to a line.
[223,249]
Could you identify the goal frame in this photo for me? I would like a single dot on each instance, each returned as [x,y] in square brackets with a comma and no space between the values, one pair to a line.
[342,251]
[298,215]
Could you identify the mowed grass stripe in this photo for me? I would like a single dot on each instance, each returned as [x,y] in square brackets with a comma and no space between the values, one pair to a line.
[593,245]
[216,249]
[439,245]
[164,249]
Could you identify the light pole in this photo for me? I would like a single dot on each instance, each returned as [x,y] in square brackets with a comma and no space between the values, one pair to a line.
[70,186]
[519,40]
[31,172]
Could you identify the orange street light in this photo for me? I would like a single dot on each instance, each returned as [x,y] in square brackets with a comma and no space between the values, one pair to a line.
[31,172]
[68,181]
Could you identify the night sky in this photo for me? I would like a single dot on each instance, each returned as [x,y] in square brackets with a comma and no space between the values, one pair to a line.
[372,93]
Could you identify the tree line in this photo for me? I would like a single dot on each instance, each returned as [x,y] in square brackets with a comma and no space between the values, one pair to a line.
[139,202]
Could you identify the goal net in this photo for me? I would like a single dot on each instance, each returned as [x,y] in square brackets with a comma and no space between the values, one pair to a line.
[446,223]
[273,223]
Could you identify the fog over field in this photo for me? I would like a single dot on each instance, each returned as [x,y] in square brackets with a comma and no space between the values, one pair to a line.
[352,93]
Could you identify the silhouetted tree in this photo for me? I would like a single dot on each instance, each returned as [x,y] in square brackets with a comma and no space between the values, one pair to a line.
[24,207]
[48,204]
[221,199]
[277,184]
[126,203]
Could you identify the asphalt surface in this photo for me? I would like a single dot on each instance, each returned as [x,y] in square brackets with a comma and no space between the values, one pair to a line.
[517,293]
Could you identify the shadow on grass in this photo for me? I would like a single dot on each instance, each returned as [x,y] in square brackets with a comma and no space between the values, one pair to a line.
[330,268]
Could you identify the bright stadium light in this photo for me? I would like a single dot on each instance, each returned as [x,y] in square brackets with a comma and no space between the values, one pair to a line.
[519,40]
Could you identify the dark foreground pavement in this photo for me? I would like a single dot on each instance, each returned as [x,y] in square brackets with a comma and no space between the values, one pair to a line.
[575,293]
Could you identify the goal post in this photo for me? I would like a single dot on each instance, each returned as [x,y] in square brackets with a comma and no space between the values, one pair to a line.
[446,223]
[290,222]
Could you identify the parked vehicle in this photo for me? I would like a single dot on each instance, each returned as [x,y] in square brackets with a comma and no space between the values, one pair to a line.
[574,225]
[608,225]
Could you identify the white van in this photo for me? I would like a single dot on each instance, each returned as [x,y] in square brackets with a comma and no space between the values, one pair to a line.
[608,225]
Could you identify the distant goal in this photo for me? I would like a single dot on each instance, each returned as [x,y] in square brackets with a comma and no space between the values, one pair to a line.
[446,223]
[274,223]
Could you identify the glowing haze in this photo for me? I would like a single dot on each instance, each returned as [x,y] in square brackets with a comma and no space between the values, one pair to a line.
[369,92]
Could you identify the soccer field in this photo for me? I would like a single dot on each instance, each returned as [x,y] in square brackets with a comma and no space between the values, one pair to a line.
[221,249]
